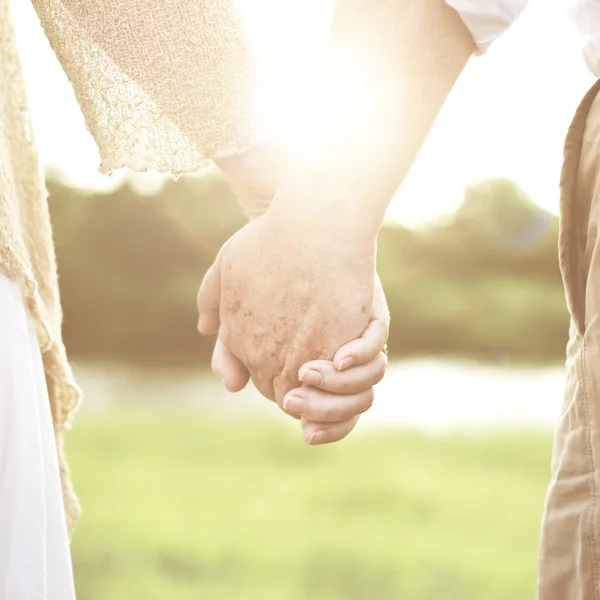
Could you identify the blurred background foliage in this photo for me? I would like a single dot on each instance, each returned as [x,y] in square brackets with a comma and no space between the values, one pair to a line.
[183,503]
[483,284]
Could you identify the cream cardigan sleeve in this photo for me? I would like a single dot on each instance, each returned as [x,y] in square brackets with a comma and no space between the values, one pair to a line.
[162,84]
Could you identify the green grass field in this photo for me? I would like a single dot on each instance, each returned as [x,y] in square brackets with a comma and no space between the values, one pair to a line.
[179,508]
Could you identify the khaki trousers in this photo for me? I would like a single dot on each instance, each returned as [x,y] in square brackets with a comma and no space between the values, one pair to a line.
[569,559]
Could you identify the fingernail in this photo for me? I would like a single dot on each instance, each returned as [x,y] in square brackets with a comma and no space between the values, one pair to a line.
[318,437]
[346,363]
[294,404]
[310,376]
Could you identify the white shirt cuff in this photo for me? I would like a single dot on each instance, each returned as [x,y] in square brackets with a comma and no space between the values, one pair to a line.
[487,20]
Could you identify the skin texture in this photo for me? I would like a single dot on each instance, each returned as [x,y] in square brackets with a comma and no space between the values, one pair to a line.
[301,311]
[333,393]
[329,400]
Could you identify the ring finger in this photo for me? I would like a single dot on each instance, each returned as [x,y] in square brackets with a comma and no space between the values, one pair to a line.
[324,375]
[316,434]
[314,404]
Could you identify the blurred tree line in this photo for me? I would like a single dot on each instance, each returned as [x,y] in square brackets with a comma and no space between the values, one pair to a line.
[482,284]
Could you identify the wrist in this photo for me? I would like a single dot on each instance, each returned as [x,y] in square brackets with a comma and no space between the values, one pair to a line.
[325,202]
[255,175]
[325,216]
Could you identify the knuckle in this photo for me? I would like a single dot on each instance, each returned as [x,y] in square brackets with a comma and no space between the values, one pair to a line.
[326,412]
[379,376]
[340,434]
[369,398]
[367,351]
[381,367]
[382,331]
[328,381]
[385,330]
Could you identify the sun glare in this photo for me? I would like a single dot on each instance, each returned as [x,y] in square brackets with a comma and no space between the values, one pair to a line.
[290,38]
[507,117]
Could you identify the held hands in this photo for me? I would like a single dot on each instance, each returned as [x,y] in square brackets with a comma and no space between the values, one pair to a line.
[335,393]
[280,295]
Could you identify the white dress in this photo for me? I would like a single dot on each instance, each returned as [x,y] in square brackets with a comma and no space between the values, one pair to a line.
[35,560]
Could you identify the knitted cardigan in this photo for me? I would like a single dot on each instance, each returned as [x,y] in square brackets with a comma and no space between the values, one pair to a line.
[162,85]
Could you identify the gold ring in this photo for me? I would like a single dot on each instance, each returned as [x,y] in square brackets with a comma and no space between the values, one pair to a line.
[385,349]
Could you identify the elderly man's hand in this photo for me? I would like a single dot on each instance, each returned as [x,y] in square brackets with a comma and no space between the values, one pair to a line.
[288,295]
[334,393]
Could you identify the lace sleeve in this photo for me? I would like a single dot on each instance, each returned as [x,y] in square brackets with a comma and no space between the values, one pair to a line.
[162,84]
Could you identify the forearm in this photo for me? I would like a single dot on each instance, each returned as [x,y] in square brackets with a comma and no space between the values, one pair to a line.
[255,175]
[389,67]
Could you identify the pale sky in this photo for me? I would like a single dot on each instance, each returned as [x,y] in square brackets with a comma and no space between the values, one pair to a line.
[506,117]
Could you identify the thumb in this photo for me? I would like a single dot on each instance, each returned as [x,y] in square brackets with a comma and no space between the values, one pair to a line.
[367,347]
[209,299]
[232,371]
